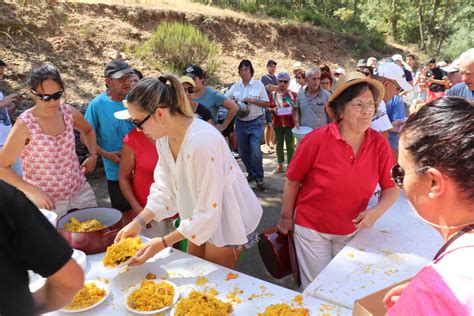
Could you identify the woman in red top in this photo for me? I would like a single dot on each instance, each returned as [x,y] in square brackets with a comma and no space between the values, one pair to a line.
[137,164]
[333,175]
[282,104]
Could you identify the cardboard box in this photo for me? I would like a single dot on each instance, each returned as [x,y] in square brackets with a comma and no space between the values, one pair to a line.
[372,304]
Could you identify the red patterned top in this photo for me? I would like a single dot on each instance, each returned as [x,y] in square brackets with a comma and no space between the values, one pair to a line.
[288,100]
[50,162]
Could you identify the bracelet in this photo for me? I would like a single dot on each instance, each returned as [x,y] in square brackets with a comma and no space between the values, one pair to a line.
[164,242]
[140,220]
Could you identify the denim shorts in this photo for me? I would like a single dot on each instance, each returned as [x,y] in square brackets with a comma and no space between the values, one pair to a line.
[252,238]
[268,117]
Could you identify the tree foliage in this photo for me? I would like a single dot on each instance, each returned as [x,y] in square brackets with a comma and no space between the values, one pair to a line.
[439,27]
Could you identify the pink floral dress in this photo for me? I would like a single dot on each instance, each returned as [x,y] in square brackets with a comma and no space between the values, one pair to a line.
[50,162]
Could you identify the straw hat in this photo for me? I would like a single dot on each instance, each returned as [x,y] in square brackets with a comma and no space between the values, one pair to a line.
[349,80]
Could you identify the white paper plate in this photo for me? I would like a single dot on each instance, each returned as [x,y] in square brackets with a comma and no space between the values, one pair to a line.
[125,263]
[100,285]
[173,310]
[137,286]
[301,131]
[81,259]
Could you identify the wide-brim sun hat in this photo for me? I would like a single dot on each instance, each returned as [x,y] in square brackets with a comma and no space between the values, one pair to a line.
[349,80]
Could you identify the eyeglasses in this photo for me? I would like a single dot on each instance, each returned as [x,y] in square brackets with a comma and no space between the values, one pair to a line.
[298,77]
[398,174]
[48,97]
[189,90]
[361,106]
[139,125]
[283,81]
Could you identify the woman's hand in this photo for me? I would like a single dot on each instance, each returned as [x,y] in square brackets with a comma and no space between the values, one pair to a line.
[285,225]
[366,219]
[89,164]
[148,250]
[40,198]
[131,230]
[393,295]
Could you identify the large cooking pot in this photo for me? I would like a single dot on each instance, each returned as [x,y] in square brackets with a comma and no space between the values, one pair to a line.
[95,241]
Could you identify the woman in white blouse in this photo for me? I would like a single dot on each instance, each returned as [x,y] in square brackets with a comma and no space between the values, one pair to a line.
[196,176]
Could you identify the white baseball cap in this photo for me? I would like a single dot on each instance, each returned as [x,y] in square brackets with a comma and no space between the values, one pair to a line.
[122,115]
[397,57]
[297,65]
[453,67]
[392,71]
[340,70]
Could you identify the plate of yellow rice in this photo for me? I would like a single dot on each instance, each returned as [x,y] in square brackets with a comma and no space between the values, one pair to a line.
[92,294]
[199,303]
[151,297]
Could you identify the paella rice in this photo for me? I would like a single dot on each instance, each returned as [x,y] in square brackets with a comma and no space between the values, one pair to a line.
[75,226]
[85,297]
[151,296]
[284,310]
[121,251]
[198,303]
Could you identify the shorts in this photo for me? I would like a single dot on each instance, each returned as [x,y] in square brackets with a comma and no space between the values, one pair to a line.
[268,117]
[252,238]
[229,129]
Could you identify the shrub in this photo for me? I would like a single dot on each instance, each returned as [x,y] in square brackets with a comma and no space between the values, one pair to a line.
[251,8]
[277,11]
[175,45]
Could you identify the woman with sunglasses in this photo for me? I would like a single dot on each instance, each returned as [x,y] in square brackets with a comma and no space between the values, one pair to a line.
[435,170]
[196,177]
[200,110]
[53,179]
[333,174]
[283,105]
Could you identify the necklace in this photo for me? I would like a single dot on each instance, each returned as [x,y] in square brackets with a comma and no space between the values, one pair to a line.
[456,236]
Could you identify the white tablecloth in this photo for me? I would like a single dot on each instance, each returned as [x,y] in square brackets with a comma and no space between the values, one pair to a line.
[396,248]
[183,270]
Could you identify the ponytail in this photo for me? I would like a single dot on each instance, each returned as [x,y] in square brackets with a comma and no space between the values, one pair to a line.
[162,92]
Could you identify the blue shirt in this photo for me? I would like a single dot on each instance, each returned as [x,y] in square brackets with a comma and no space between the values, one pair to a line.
[396,111]
[460,90]
[110,131]
[212,100]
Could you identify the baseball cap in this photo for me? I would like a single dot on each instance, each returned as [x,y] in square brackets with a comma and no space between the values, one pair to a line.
[392,71]
[116,69]
[453,67]
[340,71]
[349,80]
[297,65]
[282,75]
[370,60]
[397,57]
[271,62]
[187,79]
[194,71]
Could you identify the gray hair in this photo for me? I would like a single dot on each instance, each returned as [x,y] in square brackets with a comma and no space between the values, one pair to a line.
[311,71]
[467,56]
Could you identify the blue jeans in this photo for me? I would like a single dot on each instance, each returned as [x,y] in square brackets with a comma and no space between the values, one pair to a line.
[249,135]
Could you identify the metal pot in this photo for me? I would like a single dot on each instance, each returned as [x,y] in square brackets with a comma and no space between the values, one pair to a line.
[96,241]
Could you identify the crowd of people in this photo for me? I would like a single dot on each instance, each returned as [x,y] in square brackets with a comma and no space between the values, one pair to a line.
[170,147]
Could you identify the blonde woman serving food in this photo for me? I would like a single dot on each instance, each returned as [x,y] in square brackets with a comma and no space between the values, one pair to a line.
[196,176]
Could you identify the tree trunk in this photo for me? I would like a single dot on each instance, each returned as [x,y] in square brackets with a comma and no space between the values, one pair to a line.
[354,16]
[394,20]
[420,23]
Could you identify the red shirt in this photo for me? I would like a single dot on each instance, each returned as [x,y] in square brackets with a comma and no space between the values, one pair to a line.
[288,100]
[146,158]
[335,185]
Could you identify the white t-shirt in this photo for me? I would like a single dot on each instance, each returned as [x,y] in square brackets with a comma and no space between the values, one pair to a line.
[381,122]
[4,129]
[294,86]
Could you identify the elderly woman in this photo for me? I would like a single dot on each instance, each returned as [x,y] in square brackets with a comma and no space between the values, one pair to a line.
[436,171]
[283,104]
[333,174]
[326,81]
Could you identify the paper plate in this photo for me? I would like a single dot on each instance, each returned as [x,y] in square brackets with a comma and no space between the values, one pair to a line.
[173,310]
[100,285]
[137,286]
[301,131]
[125,263]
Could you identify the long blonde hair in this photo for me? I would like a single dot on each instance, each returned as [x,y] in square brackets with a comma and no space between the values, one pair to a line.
[162,92]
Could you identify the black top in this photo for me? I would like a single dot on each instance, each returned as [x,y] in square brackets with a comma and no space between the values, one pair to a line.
[437,74]
[408,75]
[269,79]
[27,242]
[203,113]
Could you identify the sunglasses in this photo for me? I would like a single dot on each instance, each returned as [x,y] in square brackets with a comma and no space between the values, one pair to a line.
[398,174]
[189,90]
[139,124]
[48,97]
[283,81]
[298,77]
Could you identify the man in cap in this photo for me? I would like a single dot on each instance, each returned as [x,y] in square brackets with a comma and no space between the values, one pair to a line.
[339,72]
[372,62]
[271,84]
[360,65]
[9,101]
[465,88]
[295,86]
[110,130]
[398,59]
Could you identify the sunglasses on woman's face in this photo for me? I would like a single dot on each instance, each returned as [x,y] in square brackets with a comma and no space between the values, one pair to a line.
[398,174]
[283,81]
[48,97]
[189,90]
[139,124]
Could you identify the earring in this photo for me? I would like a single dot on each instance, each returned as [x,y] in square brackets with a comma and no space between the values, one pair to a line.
[431,195]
